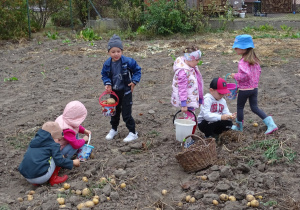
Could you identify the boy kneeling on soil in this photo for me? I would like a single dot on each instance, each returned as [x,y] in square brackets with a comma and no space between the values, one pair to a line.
[214,116]
[43,159]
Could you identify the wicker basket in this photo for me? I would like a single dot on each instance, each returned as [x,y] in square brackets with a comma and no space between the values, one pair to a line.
[199,155]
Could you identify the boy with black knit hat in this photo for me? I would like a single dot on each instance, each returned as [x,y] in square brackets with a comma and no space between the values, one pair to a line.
[121,74]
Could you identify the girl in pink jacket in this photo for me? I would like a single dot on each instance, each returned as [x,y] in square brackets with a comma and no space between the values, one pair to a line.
[187,82]
[248,78]
[70,122]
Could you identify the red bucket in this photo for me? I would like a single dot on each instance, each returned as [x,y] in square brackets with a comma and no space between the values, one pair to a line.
[108,110]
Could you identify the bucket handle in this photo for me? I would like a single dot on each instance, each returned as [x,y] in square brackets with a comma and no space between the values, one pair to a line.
[227,75]
[193,135]
[90,136]
[188,111]
[112,93]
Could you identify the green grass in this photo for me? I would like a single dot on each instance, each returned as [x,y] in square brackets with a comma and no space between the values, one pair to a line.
[20,140]
[273,150]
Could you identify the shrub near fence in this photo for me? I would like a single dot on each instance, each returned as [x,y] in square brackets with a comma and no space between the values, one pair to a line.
[13,21]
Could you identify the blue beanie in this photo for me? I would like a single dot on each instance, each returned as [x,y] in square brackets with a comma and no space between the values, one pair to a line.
[243,42]
[115,41]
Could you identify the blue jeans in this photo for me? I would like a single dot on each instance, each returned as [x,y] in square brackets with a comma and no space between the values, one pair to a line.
[241,101]
[68,151]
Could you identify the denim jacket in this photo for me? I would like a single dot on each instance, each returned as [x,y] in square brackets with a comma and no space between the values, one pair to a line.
[131,72]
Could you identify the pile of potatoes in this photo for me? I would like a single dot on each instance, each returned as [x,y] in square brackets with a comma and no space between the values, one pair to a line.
[109,101]
[250,198]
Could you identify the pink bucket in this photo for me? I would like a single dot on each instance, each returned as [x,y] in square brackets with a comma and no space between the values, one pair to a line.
[232,87]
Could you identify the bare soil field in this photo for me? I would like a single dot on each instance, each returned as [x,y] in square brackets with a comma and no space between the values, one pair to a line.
[52,73]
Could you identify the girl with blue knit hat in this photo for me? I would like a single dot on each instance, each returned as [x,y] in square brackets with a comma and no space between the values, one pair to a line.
[249,71]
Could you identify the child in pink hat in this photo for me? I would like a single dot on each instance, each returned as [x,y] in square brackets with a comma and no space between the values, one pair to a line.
[70,122]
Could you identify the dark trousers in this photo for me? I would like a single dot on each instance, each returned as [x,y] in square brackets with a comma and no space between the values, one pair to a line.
[241,101]
[214,128]
[124,107]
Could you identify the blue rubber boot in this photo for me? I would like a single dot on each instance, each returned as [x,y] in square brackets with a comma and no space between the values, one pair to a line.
[238,126]
[270,124]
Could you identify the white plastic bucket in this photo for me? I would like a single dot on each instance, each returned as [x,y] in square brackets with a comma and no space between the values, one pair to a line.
[184,128]
[242,14]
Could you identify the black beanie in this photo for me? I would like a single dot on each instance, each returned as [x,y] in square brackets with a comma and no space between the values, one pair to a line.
[115,41]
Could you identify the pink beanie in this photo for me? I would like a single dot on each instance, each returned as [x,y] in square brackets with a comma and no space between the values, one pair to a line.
[74,114]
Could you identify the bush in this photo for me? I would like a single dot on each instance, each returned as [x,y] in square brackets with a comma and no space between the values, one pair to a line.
[13,21]
[167,17]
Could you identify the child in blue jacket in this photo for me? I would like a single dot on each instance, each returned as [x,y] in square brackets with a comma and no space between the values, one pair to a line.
[43,159]
[121,74]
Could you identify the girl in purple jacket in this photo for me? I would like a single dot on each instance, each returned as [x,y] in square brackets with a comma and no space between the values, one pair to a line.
[248,78]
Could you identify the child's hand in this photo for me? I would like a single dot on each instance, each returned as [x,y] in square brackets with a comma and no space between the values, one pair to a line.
[108,88]
[132,85]
[87,132]
[76,162]
[232,75]
[225,117]
[184,109]
[233,116]
[86,139]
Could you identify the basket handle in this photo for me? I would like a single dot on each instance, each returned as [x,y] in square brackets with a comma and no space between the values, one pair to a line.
[199,138]
[188,111]
[227,75]
[112,93]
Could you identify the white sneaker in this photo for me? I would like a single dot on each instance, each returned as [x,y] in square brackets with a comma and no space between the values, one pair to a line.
[111,134]
[131,136]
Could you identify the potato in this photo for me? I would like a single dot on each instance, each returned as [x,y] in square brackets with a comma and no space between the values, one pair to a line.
[80,206]
[62,206]
[180,204]
[30,197]
[110,101]
[164,192]
[259,197]
[31,192]
[187,198]
[95,201]
[89,204]
[254,203]
[73,191]
[215,202]
[103,180]
[248,204]
[255,124]
[78,192]
[232,198]
[67,186]
[62,189]
[85,179]
[224,197]
[192,200]
[20,199]
[108,198]
[85,191]
[250,198]
[96,196]
[123,185]
[204,177]
[60,201]
[113,181]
